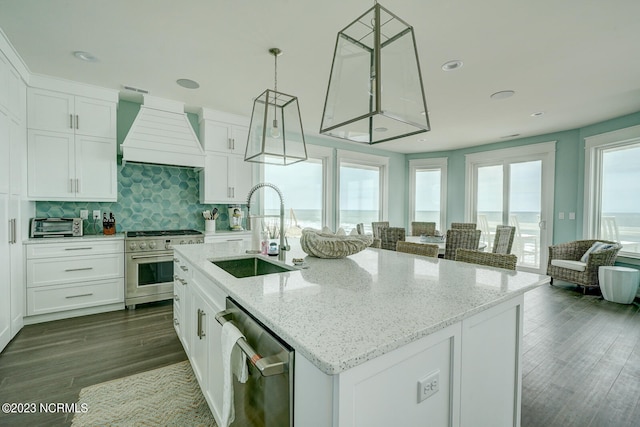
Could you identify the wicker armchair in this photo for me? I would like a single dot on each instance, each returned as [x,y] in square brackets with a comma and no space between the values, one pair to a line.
[490,259]
[460,239]
[463,225]
[390,236]
[564,262]
[376,226]
[417,249]
[423,228]
[376,243]
[503,240]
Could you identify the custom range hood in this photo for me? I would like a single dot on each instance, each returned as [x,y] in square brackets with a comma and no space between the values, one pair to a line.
[161,134]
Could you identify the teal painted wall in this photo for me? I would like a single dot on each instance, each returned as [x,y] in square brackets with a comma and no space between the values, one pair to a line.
[569,173]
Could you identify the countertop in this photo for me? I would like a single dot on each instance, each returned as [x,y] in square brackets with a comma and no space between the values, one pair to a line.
[339,313]
[85,238]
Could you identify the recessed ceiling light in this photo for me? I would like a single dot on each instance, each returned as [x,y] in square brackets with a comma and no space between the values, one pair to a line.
[381,129]
[537,114]
[85,56]
[452,65]
[503,94]
[188,83]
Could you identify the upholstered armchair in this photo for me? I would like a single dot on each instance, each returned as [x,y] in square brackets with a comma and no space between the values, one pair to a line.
[564,262]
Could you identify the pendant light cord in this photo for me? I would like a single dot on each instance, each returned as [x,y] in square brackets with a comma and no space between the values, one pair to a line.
[275,89]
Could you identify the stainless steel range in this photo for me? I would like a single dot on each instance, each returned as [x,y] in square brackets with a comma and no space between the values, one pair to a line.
[149,263]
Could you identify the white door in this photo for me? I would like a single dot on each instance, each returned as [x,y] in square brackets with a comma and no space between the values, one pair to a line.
[515,187]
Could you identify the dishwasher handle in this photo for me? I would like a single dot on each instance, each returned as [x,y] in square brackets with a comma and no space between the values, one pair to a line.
[268,366]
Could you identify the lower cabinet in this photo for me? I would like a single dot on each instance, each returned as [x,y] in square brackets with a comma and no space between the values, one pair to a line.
[198,330]
[75,277]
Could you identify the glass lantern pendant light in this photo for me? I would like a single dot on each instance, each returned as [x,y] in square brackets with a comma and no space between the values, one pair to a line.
[375,91]
[275,132]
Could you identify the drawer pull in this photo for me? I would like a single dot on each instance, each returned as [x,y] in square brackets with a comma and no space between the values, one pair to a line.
[175,321]
[79,269]
[176,297]
[78,296]
[184,268]
[78,249]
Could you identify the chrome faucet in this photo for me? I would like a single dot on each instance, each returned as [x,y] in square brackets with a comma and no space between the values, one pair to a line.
[283,247]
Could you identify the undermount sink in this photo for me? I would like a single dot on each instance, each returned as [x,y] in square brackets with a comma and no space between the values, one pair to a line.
[250,266]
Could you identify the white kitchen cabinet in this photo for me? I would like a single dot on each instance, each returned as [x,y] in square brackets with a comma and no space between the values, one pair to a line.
[67,167]
[5,276]
[198,330]
[77,115]
[66,277]
[223,132]
[72,147]
[241,237]
[226,178]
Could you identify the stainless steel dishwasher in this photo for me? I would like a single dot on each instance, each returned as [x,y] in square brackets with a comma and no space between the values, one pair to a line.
[266,398]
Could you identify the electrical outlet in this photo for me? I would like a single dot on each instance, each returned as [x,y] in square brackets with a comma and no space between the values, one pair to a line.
[428,386]
[572,215]
[561,215]
[96,214]
[84,214]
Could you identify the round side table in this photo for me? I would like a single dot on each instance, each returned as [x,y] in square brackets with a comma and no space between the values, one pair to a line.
[619,284]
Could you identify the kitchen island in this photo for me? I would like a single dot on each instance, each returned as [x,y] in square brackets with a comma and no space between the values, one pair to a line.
[386,338]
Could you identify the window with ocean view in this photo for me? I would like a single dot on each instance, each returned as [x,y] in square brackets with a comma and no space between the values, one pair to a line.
[428,189]
[302,187]
[360,194]
[613,179]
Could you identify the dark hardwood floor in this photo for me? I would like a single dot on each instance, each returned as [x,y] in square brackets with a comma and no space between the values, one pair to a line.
[51,362]
[581,359]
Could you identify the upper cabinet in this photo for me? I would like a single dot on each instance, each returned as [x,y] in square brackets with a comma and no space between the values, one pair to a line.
[224,137]
[60,112]
[72,147]
[226,177]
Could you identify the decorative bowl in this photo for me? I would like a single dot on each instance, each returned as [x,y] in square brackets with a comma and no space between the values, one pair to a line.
[325,244]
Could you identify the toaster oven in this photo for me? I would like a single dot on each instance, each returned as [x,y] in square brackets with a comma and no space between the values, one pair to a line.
[56,227]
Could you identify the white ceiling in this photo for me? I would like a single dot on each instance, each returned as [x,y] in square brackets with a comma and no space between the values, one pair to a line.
[578,61]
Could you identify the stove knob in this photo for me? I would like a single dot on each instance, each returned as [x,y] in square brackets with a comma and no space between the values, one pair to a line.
[142,245]
[133,246]
[191,242]
[152,245]
[182,242]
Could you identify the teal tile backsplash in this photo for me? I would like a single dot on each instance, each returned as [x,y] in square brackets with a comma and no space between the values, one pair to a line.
[150,197]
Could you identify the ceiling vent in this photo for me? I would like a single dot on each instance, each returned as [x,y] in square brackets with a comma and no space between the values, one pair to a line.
[162,134]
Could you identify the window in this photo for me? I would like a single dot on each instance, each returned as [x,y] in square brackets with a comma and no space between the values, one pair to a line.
[427,191]
[362,189]
[612,183]
[304,188]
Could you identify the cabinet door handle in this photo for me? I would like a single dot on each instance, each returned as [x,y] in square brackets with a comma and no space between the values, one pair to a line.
[70,121]
[77,185]
[71,185]
[78,296]
[176,297]
[12,231]
[199,331]
[79,269]
[233,143]
[229,143]
[233,192]
[77,122]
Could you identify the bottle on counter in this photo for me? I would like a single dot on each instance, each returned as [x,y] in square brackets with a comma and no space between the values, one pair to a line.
[264,244]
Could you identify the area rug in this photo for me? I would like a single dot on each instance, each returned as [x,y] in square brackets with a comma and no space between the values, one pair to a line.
[168,396]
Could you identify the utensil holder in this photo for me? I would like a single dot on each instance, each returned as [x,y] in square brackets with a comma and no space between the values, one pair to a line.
[210,225]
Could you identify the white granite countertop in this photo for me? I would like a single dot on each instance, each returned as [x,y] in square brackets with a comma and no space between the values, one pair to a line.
[339,313]
[85,238]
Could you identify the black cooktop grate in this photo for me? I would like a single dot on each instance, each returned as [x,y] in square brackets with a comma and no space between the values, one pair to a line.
[162,233]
